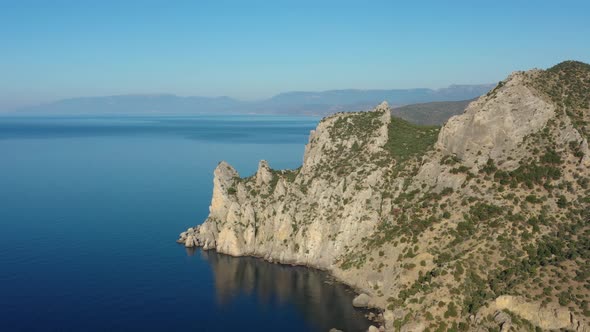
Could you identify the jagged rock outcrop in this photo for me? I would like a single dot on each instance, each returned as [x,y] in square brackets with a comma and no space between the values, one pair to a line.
[279,216]
[437,229]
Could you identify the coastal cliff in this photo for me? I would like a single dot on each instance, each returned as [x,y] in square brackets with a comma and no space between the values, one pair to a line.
[482,223]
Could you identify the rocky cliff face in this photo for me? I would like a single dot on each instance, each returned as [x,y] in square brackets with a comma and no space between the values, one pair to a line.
[305,216]
[495,125]
[437,229]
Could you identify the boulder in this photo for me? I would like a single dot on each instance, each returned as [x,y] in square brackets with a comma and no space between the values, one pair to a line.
[503,320]
[416,326]
[361,301]
[388,318]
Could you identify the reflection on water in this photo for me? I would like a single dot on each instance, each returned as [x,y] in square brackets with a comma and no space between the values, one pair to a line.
[322,302]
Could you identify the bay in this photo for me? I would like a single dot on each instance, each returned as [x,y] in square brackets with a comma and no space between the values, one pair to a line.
[90,209]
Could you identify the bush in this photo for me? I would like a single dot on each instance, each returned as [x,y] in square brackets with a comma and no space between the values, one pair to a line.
[562,202]
[460,169]
[483,211]
[551,157]
[451,310]
[490,167]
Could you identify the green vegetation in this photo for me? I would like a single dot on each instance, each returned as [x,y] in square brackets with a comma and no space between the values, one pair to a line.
[451,310]
[460,169]
[484,212]
[353,259]
[537,173]
[431,114]
[568,86]
[360,125]
[450,160]
[551,157]
[494,91]
[407,140]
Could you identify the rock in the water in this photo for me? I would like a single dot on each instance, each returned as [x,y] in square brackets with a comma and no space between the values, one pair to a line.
[190,241]
[373,329]
[361,301]
[334,330]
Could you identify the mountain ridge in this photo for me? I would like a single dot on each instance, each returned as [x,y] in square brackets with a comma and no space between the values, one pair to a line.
[296,102]
[480,224]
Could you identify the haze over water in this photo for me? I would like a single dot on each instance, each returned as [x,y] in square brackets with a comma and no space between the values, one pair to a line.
[90,211]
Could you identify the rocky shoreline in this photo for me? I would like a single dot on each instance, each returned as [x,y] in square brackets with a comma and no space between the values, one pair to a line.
[361,301]
[450,229]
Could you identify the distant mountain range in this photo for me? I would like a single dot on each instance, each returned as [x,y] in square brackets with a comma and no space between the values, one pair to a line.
[293,103]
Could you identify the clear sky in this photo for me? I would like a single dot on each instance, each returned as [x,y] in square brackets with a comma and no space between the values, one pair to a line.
[254,49]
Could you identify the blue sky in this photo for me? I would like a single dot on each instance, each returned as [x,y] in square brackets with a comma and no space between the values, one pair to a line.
[254,49]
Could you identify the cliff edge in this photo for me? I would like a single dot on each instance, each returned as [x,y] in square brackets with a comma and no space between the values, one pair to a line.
[482,223]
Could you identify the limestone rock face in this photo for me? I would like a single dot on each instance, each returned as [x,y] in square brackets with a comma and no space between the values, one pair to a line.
[282,217]
[372,328]
[552,317]
[413,327]
[503,320]
[493,126]
[263,175]
[322,140]
[223,180]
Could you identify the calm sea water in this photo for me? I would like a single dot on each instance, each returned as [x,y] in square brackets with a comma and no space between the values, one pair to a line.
[89,212]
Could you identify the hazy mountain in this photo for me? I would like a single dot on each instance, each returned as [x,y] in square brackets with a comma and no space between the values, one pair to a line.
[135,104]
[331,101]
[310,103]
[396,96]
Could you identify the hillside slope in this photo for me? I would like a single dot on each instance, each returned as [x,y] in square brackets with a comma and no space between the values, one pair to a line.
[431,114]
[481,225]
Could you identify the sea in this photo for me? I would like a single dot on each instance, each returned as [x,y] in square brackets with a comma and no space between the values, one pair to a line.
[90,208]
